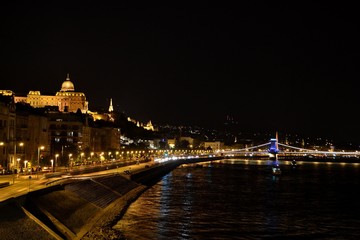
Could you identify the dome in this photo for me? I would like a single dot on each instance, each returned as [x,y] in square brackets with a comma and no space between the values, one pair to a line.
[67,85]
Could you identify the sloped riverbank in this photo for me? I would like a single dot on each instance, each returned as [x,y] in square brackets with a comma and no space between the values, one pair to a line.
[78,208]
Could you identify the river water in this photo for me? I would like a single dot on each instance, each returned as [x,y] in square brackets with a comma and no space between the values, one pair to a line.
[240,199]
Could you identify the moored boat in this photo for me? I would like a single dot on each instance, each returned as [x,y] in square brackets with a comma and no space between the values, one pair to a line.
[276,170]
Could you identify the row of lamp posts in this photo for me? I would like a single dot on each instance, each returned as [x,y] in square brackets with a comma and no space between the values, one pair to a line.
[17,160]
[53,163]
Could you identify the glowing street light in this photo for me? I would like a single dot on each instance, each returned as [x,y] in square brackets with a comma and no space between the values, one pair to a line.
[2,144]
[38,160]
[52,165]
[81,156]
[21,144]
[101,157]
[56,157]
[70,162]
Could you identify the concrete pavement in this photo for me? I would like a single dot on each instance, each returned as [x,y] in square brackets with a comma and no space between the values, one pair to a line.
[22,184]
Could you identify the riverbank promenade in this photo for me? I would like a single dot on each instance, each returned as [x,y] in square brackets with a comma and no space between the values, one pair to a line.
[73,206]
[20,184]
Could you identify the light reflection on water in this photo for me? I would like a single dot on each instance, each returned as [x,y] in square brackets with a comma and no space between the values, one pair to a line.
[239,199]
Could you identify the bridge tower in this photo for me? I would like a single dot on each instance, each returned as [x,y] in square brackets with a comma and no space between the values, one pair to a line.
[274,147]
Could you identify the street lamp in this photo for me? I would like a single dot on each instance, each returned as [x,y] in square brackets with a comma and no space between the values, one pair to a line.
[38,160]
[101,157]
[52,165]
[56,157]
[12,163]
[25,162]
[81,156]
[18,163]
[21,144]
[2,144]
[70,162]
[91,156]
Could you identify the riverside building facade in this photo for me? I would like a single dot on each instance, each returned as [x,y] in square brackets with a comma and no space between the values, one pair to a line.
[39,129]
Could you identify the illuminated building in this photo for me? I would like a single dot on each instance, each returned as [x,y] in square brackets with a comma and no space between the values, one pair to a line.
[67,100]
[147,126]
[7,127]
[215,145]
[111,108]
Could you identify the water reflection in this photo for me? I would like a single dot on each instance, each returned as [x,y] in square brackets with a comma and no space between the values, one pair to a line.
[241,199]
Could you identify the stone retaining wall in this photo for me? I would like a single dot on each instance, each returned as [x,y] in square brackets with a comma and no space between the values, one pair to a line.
[74,210]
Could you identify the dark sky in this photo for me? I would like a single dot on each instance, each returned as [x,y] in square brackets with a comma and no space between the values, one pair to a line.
[286,67]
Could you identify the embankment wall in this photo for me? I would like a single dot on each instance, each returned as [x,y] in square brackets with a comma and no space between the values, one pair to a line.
[76,209]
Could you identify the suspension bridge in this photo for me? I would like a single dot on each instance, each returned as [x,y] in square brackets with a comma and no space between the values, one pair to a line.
[275,149]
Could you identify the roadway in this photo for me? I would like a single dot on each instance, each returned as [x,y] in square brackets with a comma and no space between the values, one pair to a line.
[23,184]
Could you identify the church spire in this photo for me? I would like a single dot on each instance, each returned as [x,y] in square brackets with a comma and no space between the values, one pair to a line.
[111,106]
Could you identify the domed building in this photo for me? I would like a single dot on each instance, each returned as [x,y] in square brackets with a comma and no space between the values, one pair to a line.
[67,85]
[67,100]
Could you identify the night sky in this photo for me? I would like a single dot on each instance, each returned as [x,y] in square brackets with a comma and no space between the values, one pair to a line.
[271,66]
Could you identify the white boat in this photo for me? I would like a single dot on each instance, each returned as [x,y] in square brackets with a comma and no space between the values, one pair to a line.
[276,170]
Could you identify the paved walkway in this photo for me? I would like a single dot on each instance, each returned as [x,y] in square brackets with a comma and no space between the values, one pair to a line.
[22,184]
